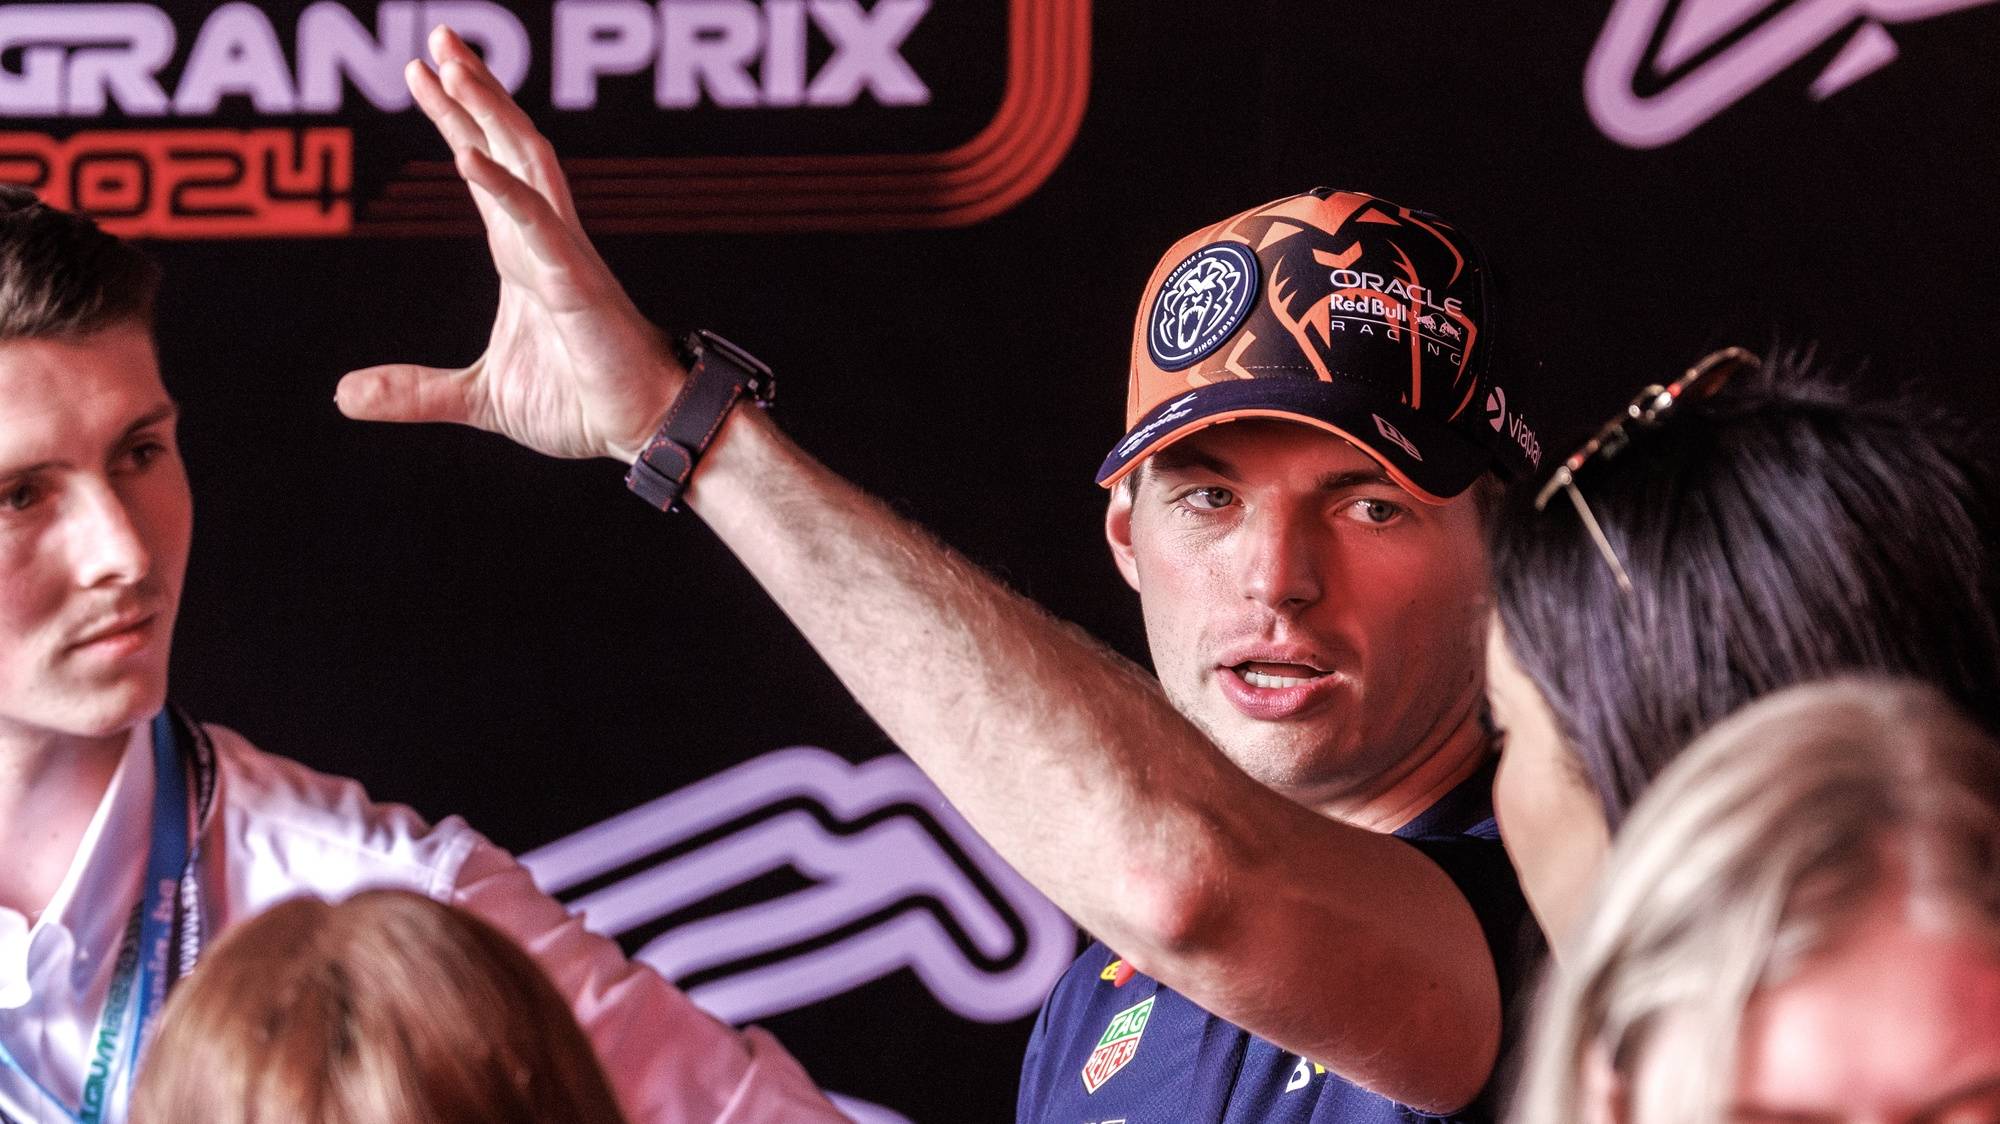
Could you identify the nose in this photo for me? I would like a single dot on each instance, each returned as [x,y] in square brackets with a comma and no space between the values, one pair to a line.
[106,546]
[1277,559]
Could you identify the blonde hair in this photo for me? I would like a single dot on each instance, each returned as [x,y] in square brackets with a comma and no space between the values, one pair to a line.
[1746,857]
[388,1008]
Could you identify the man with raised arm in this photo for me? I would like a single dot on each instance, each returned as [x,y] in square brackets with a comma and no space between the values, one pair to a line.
[1313,585]
[129,834]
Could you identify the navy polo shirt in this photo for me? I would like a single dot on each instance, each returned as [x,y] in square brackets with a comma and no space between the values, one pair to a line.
[1107,1051]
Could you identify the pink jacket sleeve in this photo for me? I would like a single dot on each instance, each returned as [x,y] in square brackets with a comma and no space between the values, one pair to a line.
[669,1061]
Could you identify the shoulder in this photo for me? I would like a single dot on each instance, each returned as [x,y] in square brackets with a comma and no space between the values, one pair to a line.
[283,829]
[1478,865]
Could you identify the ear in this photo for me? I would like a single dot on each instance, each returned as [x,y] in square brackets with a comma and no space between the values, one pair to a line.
[1118,532]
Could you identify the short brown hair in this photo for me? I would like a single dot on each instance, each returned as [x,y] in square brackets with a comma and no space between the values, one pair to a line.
[388,1008]
[61,275]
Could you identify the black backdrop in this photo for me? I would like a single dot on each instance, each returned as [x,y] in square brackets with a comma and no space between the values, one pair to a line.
[471,629]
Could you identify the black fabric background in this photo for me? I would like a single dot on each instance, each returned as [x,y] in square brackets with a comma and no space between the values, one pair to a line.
[469,628]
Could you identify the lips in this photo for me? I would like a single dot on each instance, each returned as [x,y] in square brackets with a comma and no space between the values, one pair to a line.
[124,632]
[1273,683]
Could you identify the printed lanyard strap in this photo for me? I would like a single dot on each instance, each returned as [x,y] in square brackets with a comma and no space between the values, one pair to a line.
[163,936]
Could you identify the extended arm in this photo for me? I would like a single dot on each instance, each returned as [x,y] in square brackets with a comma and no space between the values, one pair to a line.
[1346,946]
[668,1060]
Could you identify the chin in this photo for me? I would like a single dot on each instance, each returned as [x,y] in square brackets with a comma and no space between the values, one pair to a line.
[102,714]
[1291,761]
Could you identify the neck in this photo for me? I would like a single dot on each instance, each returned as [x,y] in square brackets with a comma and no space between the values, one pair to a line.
[1454,751]
[50,787]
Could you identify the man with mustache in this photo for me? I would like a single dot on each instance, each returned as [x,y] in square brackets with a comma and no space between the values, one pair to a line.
[131,834]
[1312,579]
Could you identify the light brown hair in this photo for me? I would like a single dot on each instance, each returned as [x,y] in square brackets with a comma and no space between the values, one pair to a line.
[387,1008]
[62,276]
[1749,855]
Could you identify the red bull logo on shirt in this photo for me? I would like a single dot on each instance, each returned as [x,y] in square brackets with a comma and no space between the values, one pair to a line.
[1118,1046]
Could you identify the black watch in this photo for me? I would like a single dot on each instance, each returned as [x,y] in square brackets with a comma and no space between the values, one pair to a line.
[719,375]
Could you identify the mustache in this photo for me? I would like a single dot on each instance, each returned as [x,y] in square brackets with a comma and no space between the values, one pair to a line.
[116,614]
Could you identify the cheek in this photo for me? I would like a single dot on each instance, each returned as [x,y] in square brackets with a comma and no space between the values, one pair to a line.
[1554,831]
[32,594]
[1425,591]
[1179,584]
[31,586]
[165,510]
[1173,621]
[1512,807]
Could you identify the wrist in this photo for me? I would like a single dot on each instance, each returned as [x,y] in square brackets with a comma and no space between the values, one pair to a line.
[670,380]
[720,376]
[734,459]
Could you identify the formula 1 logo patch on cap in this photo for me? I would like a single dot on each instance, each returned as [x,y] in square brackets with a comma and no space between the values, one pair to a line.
[1200,303]
[1118,1046]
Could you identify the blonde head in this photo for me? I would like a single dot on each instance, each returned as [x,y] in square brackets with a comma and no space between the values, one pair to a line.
[1747,856]
[387,1008]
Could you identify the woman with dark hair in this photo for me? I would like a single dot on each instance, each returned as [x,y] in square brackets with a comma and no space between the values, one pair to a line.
[1730,535]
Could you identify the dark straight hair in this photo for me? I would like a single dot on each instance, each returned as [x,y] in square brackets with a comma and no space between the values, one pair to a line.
[1785,530]
[62,276]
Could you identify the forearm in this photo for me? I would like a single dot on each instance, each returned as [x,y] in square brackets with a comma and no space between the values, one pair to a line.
[1067,758]
[1072,763]
[1051,745]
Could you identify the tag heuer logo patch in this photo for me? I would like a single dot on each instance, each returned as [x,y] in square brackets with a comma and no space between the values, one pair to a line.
[1119,1045]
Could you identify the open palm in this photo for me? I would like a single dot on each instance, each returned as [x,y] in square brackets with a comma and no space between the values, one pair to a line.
[572,369]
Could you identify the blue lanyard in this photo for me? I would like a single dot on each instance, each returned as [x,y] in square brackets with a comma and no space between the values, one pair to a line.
[142,972]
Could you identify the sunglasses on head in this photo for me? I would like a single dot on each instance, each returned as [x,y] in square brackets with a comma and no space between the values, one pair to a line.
[1653,406]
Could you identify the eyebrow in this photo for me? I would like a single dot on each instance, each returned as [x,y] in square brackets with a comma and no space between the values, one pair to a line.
[166,411]
[1175,458]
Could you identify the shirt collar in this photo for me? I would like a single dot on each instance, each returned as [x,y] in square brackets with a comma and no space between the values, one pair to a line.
[89,909]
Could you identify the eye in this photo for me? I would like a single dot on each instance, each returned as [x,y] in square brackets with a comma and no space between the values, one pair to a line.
[1375,513]
[145,453]
[19,497]
[1209,498]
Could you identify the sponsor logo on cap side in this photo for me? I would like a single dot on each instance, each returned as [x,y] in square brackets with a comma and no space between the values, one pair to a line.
[1118,1046]
[1514,425]
[1396,435]
[1175,411]
[1200,303]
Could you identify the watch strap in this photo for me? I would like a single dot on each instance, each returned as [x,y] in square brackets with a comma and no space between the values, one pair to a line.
[719,374]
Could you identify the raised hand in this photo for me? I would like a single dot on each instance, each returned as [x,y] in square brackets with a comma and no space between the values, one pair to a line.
[572,369]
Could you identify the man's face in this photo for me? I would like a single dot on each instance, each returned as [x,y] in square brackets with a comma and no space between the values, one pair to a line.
[1318,623]
[95,519]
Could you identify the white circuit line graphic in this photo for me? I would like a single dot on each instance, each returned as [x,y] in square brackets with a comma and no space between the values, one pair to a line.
[1785,32]
[876,840]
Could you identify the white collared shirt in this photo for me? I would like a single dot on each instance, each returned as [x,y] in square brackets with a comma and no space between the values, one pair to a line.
[279,830]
